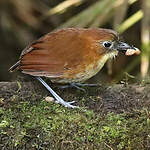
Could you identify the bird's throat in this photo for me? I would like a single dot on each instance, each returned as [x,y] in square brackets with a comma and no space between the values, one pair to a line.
[100,63]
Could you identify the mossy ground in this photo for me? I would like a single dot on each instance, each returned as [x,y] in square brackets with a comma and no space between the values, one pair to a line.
[102,123]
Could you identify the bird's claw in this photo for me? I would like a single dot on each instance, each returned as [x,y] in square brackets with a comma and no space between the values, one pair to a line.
[71,102]
[70,106]
[67,104]
[72,86]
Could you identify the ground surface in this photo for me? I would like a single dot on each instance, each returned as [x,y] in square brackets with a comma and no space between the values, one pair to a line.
[110,117]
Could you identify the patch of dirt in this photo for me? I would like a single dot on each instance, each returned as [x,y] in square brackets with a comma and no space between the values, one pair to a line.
[120,98]
[116,98]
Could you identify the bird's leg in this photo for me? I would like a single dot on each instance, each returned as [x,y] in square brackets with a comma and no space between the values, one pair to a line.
[57,97]
[65,86]
[78,86]
[72,85]
[86,84]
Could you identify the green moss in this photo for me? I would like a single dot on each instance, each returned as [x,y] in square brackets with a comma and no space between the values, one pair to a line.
[43,125]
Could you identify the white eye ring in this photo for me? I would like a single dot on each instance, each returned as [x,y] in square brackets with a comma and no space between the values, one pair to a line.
[107,44]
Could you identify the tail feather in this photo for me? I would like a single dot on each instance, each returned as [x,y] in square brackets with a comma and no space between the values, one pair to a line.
[14,67]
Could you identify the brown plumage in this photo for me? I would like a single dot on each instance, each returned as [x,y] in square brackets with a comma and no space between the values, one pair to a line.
[70,55]
[65,54]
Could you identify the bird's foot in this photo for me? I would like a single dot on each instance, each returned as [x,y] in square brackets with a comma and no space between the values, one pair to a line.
[72,85]
[79,86]
[86,84]
[57,97]
[67,104]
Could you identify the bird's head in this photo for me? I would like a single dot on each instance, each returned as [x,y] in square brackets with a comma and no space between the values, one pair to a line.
[108,42]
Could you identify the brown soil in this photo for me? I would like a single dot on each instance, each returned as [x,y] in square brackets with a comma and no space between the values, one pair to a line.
[116,98]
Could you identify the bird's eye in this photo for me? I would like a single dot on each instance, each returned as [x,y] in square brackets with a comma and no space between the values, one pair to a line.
[107,44]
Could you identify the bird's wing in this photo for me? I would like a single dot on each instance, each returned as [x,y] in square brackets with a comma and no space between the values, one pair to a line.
[53,54]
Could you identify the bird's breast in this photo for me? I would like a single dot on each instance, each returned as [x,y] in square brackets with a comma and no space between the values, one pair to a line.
[87,71]
[93,68]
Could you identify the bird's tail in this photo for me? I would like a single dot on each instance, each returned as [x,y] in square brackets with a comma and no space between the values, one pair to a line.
[14,67]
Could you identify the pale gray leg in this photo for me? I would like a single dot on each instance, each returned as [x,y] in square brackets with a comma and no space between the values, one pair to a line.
[57,97]
[72,86]
[85,84]
[78,86]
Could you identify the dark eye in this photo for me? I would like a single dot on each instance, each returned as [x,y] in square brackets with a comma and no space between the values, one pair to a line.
[107,44]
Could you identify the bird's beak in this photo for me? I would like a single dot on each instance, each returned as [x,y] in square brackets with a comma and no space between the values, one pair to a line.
[126,48]
[122,47]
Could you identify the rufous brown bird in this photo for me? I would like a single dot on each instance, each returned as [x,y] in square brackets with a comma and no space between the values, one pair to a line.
[71,55]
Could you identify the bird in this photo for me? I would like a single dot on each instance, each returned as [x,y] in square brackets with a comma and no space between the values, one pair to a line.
[70,56]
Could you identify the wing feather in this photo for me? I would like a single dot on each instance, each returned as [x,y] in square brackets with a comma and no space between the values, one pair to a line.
[53,55]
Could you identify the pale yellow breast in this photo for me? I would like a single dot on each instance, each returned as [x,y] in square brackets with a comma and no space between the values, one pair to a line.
[93,69]
[90,70]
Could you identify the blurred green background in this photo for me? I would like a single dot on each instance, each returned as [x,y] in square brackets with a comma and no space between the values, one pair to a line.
[22,21]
